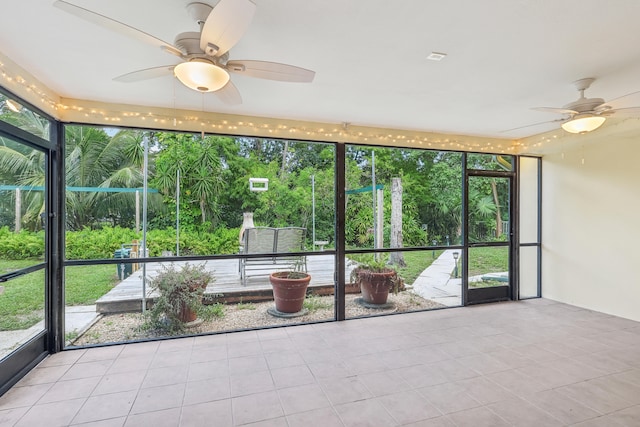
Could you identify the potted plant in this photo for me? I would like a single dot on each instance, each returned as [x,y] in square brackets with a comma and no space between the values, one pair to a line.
[376,279]
[180,296]
[289,289]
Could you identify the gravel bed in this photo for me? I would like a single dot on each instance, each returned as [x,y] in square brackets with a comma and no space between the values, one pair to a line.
[127,326]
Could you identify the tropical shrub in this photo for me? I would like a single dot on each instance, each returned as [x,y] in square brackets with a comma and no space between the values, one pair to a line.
[23,245]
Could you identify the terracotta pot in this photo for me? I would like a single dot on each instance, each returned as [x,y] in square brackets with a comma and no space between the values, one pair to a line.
[186,314]
[375,287]
[289,293]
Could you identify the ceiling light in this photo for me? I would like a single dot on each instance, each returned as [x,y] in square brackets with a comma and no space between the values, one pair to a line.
[201,75]
[583,123]
[13,105]
[436,56]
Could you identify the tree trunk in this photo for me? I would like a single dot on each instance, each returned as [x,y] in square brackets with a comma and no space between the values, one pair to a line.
[494,190]
[284,159]
[18,211]
[396,222]
[204,218]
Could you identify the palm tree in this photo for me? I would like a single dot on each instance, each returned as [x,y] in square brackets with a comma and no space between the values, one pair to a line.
[200,171]
[96,160]
[24,166]
[93,159]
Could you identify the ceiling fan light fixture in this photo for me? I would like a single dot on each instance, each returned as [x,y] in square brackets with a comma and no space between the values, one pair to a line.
[583,123]
[201,75]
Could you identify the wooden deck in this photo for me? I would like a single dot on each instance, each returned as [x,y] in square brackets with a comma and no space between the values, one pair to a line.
[127,295]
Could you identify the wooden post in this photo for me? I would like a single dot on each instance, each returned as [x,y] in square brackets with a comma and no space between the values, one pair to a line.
[18,211]
[396,222]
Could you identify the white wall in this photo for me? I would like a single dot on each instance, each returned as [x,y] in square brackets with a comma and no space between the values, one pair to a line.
[591,222]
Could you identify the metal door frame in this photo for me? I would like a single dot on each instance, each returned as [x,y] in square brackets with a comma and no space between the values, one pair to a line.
[492,294]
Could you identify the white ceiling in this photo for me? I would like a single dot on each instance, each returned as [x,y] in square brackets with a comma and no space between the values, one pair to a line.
[370,58]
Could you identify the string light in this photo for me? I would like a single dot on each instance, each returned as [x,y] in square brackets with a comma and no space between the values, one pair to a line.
[175,119]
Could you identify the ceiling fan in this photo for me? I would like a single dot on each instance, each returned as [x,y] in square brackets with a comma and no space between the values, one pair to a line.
[205,65]
[584,114]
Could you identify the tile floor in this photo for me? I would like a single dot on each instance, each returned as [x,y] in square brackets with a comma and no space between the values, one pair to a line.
[533,363]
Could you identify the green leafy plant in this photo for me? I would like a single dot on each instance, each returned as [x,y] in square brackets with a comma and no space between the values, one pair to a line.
[211,311]
[315,303]
[245,306]
[368,265]
[179,289]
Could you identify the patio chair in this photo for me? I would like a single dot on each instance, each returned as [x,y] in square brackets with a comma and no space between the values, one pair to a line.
[268,240]
[256,240]
[291,239]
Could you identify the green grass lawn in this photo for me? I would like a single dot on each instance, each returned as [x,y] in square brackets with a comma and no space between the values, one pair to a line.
[22,303]
[488,260]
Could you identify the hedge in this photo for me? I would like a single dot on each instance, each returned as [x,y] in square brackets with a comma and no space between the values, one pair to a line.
[97,244]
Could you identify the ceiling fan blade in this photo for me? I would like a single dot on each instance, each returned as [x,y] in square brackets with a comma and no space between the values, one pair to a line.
[271,71]
[612,101]
[116,26]
[629,111]
[555,110]
[146,74]
[225,25]
[229,94]
[532,125]
[607,104]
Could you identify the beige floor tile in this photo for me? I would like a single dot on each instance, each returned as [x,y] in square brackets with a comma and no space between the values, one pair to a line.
[105,406]
[86,370]
[256,407]
[72,389]
[408,407]
[43,375]
[283,359]
[520,363]
[273,422]
[477,417]
[165,376]
[303,398]
[564,408]
[100,353]
[18,397]
[163,418]
[209,370]
[134,363]
[206,391]
[158,398]
[449,397]
[51,414]
[9,417]
[114,383]
[629,417]
[344,390]
[325,417]
[383,383]
[247,365]
[292,376]
[206,354]
[175,358]
[443,421]
[517,412]
[207,414]
[256,382]
[63,358]
[364,413]
[595,397]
